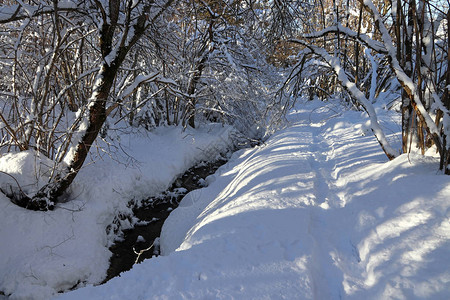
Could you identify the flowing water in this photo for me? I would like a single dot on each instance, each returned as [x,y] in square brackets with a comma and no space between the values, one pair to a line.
[142,241]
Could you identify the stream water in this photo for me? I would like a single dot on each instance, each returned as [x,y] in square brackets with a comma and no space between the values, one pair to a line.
[142,241]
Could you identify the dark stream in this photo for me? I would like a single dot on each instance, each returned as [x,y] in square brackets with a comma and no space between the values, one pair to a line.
[142,241]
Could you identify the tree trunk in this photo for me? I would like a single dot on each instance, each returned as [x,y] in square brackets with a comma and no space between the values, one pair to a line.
[445,157]
[47,196]
[407,65]
[361,9]
[198,70]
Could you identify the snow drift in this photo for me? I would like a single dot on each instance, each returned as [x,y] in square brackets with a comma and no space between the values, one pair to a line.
[42,253]
[315,213]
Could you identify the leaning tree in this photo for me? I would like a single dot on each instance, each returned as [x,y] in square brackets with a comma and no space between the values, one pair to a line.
[62,60]
[367,43]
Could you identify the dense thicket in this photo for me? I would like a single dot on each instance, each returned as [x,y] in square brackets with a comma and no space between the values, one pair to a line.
[361,48]
[72,68]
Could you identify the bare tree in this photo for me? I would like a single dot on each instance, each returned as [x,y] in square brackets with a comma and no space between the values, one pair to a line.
[415,58]
[119,25]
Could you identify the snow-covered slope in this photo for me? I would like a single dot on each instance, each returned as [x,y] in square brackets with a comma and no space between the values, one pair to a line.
[42,253]
[315,213]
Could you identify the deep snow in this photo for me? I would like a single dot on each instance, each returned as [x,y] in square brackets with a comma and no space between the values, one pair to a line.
[314,213]
[42,253]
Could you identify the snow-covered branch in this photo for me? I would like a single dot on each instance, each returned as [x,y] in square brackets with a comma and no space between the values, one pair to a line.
[404,79]
[21,11]
[335,64]
[340,29]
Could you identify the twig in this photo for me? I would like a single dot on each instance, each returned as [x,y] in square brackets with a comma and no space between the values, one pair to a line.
[18,185]
[141,252]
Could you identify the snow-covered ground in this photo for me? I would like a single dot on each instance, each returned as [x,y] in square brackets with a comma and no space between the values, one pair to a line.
[42,253]
[315,213]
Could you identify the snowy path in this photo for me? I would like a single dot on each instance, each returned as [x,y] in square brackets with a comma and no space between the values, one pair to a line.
[315,213]
[325,278]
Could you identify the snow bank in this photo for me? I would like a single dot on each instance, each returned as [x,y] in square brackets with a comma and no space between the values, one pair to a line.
[42,253]
[315,213]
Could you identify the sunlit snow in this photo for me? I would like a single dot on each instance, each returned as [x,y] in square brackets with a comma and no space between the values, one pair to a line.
[315,212]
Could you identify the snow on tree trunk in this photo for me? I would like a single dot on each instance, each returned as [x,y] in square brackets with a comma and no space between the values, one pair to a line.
[114,49]
[335,64]
[440,137]
[445,158]
[48,195]
[405,80]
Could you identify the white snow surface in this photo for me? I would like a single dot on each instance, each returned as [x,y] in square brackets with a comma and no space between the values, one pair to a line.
[42,253]
[316,212]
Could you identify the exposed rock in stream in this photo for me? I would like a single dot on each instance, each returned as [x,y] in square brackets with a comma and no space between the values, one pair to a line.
[142,241]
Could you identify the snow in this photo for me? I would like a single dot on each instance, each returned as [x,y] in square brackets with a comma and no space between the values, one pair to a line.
[335,64]
[363,38]
[42,253]
[401,75]
[373,80]
[316,212]
[138,80]
[6,12]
